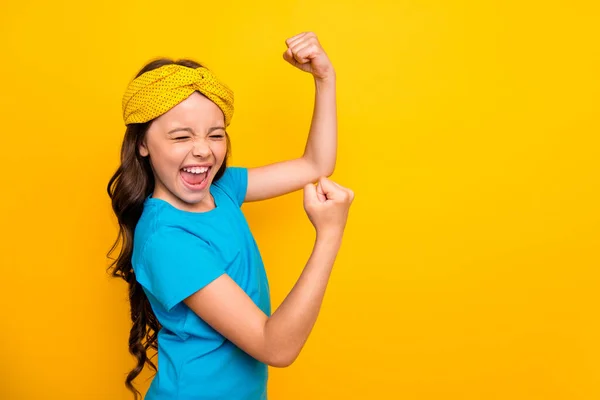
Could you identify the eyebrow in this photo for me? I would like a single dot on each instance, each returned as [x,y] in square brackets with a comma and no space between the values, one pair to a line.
[190,130]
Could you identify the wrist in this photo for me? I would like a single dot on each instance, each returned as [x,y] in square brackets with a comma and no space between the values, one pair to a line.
[331,236]
[327,80]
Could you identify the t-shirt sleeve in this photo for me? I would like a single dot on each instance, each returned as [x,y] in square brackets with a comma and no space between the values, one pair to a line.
[176,264]
[235,183]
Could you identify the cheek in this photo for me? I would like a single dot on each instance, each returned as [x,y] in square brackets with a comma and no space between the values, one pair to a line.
[219,149]
[168,157]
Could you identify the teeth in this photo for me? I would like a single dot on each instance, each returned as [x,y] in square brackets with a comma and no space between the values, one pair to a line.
[196,170]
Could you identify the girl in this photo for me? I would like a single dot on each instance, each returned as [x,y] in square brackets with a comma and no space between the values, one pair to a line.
[197,286]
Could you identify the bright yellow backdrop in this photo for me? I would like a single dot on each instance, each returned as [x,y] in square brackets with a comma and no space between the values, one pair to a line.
[469,131]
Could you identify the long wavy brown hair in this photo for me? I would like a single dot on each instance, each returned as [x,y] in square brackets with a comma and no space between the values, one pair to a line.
[130,185]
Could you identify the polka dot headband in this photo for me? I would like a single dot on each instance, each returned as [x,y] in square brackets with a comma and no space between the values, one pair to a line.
[155,92]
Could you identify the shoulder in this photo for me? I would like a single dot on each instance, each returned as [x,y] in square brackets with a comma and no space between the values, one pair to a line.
[173,240]
[234,183]
[161,232]
[174,263]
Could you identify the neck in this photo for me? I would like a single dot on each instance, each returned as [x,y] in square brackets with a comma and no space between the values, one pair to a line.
[204,204]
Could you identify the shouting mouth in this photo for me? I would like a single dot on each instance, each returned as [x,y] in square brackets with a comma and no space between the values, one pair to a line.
[195,178]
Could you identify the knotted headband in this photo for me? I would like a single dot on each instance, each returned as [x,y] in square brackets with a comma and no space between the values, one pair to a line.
[155,92]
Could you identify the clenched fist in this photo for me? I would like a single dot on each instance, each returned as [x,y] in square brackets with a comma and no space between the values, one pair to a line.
[327,205]
[305,52]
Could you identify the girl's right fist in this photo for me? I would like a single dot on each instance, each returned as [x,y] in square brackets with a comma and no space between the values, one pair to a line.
[327,205]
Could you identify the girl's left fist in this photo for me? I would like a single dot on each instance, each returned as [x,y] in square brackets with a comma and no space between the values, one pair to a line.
[305,52]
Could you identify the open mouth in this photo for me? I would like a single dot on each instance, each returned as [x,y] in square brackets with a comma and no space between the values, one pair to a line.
[195,177]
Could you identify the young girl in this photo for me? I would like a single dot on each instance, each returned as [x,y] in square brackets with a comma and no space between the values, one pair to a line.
[197,285]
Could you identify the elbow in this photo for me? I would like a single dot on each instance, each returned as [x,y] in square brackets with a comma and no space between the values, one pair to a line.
[321,168]
[328,170]
[282,362]
[281,359]
[325,170]
[279,349]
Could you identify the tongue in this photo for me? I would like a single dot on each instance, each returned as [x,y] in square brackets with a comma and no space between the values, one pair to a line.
[193,179]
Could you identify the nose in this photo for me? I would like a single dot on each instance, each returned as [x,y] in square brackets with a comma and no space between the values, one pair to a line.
[200,148]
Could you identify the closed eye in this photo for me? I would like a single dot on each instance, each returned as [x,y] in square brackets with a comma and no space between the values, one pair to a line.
[181,137]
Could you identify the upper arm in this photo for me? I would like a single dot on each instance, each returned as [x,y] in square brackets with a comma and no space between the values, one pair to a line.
[228,309]
[175,265]
[280,178]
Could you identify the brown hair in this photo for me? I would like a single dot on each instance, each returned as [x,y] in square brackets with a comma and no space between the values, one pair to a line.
[130,185]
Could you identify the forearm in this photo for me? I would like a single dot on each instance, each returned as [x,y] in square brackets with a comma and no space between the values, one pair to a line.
[287,330]
[321,145]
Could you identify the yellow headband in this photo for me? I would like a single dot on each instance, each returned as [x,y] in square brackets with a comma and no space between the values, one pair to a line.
[155,92]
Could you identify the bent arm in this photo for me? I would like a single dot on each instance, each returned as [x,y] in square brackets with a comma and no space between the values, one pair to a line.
[319,156]
[275,340]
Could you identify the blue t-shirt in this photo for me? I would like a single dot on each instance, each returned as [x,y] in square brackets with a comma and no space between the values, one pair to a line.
[175,254]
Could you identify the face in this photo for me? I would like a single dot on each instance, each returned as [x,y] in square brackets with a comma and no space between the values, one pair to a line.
[187,146]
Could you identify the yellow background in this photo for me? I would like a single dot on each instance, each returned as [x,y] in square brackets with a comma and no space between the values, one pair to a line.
[469,131]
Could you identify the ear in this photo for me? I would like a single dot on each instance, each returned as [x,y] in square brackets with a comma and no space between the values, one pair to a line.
[143,149]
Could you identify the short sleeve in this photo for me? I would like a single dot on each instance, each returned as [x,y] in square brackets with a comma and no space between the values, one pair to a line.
[175,265]
[235,183]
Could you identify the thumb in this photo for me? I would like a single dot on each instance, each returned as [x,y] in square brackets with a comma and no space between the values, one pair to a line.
[310,194]
[329,188]
[320,193]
